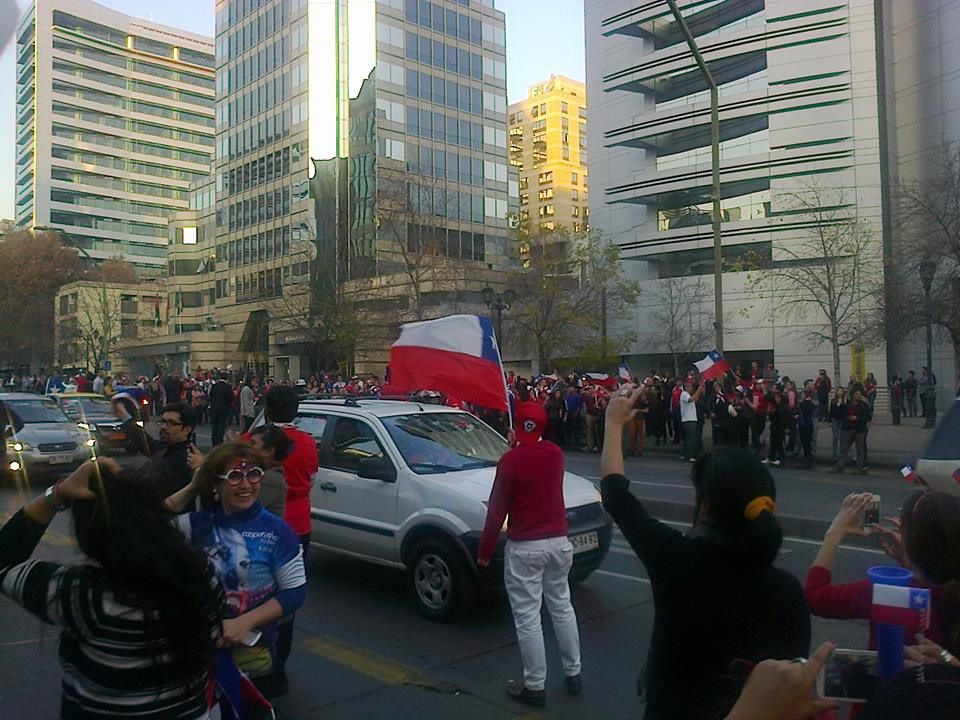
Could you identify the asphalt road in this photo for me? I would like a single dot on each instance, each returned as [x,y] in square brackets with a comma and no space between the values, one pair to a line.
[361,650]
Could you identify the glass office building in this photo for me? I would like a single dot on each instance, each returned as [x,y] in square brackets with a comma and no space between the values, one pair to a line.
[347,131]
[115,120]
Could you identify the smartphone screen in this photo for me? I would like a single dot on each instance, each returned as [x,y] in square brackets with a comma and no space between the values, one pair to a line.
[850,675]
[871,516]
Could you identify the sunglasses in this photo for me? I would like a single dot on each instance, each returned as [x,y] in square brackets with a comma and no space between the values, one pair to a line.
[252,475]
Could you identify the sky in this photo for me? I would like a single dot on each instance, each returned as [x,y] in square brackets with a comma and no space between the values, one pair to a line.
[544,37]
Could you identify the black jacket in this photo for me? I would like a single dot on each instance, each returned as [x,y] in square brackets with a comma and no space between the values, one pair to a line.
[221,397]
[712,607]
[174,471]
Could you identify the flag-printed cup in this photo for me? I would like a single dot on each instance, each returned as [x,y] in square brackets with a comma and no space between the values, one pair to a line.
[896,606]
[890,575]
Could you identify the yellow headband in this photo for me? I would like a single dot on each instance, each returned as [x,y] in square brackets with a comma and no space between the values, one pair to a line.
[757,506]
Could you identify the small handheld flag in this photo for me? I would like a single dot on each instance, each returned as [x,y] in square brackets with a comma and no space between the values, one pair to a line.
[625,373]
[714,365]
[909,474]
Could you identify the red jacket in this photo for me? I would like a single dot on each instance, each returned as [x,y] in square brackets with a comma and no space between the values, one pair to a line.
[299,468]
[528,488]
[853,601]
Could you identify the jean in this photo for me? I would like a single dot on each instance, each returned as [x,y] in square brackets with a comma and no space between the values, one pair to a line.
[219,423]
[692,445]
[837,427]
[535,571]
[285,625]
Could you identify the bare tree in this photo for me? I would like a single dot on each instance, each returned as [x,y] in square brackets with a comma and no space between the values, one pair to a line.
[929,232]
[681,312]
[830,279]
[570,283]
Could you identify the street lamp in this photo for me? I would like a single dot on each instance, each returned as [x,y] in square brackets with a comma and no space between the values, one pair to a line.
[499,302]
[928,269]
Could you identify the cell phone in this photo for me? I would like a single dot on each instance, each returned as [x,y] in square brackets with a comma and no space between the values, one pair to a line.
[251,638]
[851,675]
[871,516]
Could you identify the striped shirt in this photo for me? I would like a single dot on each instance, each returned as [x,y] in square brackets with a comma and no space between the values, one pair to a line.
[113,665]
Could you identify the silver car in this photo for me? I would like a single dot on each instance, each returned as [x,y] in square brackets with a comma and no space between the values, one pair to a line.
[939,465]
[49,444]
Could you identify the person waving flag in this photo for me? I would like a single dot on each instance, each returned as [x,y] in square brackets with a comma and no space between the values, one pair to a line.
[713,366]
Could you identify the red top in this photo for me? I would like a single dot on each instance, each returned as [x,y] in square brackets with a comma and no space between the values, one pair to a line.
[528,488]
[299,468]
[853,601]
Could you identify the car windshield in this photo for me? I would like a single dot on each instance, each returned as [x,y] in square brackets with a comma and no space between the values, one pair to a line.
[79,408]
[444,442]
[38,411]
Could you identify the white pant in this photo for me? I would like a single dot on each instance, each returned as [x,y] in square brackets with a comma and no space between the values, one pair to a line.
[536,570]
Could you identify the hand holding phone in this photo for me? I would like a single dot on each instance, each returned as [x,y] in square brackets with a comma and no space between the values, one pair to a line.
[251,638]
[871,513]
[851,675]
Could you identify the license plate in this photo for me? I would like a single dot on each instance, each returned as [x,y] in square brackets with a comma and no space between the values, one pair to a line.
[585,542]
[60,459]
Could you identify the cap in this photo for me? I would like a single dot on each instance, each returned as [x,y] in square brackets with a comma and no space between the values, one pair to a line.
[301,382]
[531,422]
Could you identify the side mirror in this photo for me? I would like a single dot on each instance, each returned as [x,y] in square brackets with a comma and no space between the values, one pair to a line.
[376,468]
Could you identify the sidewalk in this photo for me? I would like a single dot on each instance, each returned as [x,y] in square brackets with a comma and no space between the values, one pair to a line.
[888,445]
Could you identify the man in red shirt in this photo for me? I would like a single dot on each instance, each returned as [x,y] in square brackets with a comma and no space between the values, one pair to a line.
[529,489]
[299,467]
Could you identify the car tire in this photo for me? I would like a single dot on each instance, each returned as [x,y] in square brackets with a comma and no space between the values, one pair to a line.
[440,579]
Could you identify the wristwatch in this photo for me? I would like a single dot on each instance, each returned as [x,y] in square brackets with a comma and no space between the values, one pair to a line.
[51,496]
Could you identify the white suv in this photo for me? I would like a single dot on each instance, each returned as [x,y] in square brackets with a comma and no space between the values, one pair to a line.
[406,484]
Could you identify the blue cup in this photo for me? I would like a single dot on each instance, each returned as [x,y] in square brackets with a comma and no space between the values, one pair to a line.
[890,638]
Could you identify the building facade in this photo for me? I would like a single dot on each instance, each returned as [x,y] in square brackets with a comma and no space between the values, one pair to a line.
[548,147]
[114,121]
[799,110]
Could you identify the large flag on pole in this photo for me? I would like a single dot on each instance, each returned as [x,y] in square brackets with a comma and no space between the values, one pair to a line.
[713,366]
[624,372]
[456,355]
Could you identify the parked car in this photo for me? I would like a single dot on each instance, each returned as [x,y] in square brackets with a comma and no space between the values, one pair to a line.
[406,484]
[94,413]
[939,465]
[49,443]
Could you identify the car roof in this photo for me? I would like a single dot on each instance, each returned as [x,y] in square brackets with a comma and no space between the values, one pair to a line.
[372,406]
[79,395]
[23,396]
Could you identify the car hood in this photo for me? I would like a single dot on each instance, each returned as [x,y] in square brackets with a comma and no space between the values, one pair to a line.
[477,484]
[36,433]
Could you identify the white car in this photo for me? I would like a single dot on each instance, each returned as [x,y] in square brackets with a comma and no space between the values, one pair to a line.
[406,485]
[939,465]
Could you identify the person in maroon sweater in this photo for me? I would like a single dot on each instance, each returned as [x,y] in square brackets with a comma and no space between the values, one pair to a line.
[538,556]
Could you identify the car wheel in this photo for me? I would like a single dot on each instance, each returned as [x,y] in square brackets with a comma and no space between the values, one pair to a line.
[440,580]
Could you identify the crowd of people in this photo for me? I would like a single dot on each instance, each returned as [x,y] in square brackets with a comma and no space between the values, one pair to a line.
[197,563]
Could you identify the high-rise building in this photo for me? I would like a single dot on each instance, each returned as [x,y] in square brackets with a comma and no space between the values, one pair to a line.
[548,147]
[114,122]
[361,161]
[801,107]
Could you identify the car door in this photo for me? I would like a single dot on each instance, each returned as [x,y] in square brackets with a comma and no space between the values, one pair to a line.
[359,514]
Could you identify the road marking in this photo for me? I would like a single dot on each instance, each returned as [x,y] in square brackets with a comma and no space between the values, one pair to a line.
[621,576]
[384,670]
[50,537]
[12,643]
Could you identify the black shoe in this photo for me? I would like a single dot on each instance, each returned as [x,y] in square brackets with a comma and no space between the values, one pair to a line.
[574,684]
[281,684]
[522,694]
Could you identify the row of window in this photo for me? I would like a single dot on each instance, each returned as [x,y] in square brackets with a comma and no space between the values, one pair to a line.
[260,208]
[546,178]
[90,200]
[433,16]
[259,98]
[271,128]
[118,184]
[455,167]
[130,146]
[433,125]
[263,284]
[267,245]
[425,240]
[85,157]
[121,59]
[129,85]
[137,126]
[121,102]
[437,90]
[443,56]
[125,227]
[234,11]
[440,201]
[256,172]
[244,71]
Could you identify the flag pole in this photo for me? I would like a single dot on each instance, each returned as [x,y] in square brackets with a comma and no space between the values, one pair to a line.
[503,375]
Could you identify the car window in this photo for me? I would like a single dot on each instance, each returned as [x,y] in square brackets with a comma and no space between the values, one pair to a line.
[78,408]
[38,411]
[312,425]
[353,440]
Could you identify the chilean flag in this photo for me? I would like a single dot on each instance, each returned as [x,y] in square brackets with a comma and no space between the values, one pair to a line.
[624,372]
[909,474]
[713,366]
[906,606]
[455,355]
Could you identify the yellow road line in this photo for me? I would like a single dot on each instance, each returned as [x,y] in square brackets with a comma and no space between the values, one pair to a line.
[366,663]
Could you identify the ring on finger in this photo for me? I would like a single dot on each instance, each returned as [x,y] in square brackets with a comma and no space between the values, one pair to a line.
[946,657]
[800,660]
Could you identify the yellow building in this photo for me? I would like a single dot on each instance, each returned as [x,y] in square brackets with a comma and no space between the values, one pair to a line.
[548,147]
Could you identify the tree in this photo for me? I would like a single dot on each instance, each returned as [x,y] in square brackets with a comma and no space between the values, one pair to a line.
[830,279]
[95,328]
[570,285]
[929,231]
[680,311]
[33,266]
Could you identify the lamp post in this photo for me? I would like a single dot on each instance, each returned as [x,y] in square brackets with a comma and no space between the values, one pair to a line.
[715,168]
[498,302]
[928,269]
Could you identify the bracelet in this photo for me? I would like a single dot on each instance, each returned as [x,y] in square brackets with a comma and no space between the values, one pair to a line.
[52,496]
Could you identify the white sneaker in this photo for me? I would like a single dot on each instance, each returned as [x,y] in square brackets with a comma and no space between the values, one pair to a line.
[766,461]
[776,462]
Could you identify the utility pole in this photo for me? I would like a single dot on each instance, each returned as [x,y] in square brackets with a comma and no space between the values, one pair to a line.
[715,162]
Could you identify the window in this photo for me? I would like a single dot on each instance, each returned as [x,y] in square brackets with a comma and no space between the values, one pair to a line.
[546,177]
[574,178]
[353,440]
[313,425]
[564,108]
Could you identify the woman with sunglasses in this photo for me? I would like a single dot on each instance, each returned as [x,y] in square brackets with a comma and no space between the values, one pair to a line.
[256,555]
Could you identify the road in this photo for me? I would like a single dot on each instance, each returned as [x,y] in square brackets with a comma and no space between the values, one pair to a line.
[361,650]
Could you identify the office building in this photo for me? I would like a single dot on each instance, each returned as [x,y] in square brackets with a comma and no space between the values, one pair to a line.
[114,121]
[548,147]
[800,107]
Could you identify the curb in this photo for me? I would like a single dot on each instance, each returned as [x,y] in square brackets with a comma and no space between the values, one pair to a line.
[878,463]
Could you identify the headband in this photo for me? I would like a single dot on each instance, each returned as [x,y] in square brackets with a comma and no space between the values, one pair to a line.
[757,506]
